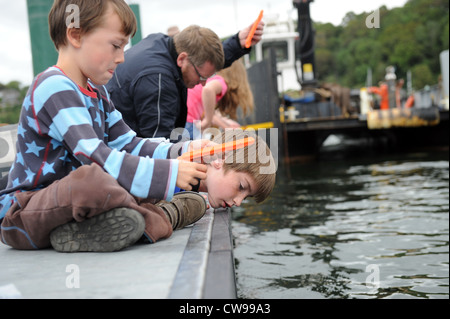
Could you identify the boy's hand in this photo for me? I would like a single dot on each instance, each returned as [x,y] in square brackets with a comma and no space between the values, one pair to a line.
[189,173]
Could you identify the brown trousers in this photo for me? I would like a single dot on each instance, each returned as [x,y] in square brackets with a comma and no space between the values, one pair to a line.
[84,193]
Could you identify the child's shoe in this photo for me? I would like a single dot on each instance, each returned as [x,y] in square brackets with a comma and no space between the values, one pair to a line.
[110,231]
[185,208]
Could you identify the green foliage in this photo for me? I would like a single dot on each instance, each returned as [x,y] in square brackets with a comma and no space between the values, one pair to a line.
[9,114]
[422,75]
[410,38]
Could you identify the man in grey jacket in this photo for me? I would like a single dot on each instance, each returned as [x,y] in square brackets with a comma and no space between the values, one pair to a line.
[150,88]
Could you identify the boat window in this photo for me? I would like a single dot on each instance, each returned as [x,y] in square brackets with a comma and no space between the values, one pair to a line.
[280,47]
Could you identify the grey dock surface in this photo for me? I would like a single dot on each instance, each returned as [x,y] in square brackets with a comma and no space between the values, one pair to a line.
[194,263]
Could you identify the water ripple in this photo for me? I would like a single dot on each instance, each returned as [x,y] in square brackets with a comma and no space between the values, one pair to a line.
[322,234]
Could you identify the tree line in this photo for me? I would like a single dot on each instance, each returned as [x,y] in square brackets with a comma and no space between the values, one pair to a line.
[9,113]
[410,38]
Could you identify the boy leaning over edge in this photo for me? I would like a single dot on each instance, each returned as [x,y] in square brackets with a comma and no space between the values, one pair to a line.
[82,180]
[242,173]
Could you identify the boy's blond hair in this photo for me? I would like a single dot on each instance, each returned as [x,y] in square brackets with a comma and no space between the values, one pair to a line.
[201,45]
[249,160]
[91,16]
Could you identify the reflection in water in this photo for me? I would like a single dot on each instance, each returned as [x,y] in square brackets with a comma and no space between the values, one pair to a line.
[374,229]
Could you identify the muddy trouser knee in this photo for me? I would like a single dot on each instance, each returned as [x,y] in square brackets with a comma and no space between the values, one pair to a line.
[84,193]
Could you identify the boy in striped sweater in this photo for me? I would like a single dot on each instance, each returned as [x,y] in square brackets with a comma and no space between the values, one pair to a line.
[82,180]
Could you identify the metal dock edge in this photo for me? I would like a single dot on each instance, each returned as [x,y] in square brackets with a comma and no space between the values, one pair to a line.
[220,275]
[207,267]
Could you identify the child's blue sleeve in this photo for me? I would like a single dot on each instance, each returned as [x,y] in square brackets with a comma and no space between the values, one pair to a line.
[178,190]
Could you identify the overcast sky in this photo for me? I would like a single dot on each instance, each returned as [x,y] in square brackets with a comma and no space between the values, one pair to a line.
[225,17]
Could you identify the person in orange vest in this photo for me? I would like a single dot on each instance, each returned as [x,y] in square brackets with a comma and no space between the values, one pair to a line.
[383,92]
[409,102]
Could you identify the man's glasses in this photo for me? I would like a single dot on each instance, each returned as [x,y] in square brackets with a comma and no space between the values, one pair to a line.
[202,79]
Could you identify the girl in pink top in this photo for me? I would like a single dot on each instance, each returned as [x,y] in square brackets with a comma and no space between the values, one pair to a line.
[225,91]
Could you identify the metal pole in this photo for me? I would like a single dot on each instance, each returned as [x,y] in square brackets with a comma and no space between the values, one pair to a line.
[43,50]
[137,12]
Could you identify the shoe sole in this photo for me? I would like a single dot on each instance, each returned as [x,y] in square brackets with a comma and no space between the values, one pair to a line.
[110,231]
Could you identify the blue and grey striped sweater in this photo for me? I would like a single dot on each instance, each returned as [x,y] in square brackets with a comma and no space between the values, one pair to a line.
[63,126]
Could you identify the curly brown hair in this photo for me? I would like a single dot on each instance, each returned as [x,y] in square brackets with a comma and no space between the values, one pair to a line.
[239,93]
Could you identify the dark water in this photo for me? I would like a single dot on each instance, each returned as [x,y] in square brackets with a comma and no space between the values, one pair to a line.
[373,227]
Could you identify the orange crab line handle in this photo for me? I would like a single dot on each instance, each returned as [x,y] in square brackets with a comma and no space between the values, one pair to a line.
[217,149]
[248,42]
